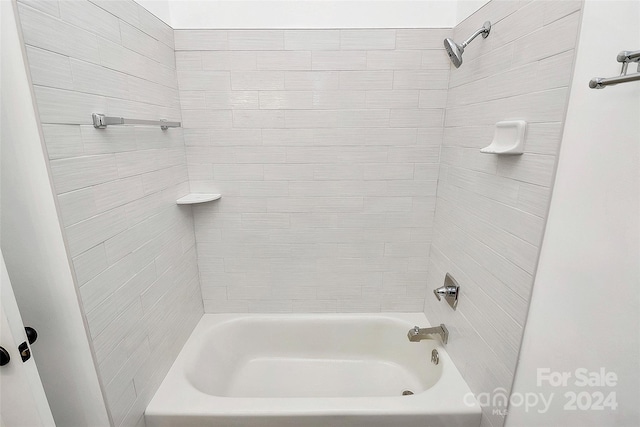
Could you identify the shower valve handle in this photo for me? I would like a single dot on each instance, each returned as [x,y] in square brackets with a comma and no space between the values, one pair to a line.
[446,291]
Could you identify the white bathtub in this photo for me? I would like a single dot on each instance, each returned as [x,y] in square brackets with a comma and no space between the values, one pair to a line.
[299,370]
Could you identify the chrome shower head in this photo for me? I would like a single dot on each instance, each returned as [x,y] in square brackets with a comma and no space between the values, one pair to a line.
[455,50]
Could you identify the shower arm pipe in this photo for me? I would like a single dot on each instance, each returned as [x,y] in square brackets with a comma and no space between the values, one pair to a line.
[100,121]
[482,30]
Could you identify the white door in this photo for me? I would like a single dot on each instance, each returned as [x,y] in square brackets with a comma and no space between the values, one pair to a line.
[22,399]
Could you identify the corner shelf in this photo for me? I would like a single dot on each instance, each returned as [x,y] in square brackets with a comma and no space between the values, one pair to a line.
[194,198]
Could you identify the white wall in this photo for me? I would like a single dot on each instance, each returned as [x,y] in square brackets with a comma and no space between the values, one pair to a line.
[585,306]
[199,14]
[35,253]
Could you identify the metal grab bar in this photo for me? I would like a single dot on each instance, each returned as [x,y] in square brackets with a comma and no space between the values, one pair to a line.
[100,121]
[625,57]
[601,82]
[628,56]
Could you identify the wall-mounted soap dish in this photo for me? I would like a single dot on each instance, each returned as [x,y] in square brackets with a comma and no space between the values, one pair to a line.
[508,138]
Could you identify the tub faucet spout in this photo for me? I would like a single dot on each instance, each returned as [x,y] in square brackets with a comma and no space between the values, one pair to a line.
[418,334]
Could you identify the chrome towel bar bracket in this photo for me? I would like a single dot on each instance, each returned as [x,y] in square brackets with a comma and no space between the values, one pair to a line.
[625,57]
[100,121]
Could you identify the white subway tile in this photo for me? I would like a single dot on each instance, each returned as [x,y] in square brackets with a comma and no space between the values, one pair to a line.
[124,10]
[311,80]
[315,306]
[421,38]
[228,137]
[435,59]
[238,172]
[265,221]
[119,58]
[49,69]
[44,31]
[49,7]
[199,119]
[156,28]
[258,119]
[388,171]
[337,172]
[420,154]
[227,60]
[312,39]
[287,173]
[189,61]
[136,40]
[536,45]
[89,264]
[98,80]
[201,40]
[220,100]
[530,168]
[256,39]
[393,249]
[281,100]
[192,100]
[314,204]
[394,60]
[533,199]
[218,306]
[433,98]
[284,60]
[311,118]
[287,137]
[204,80]
[387,204]
[556,10]
[257,80]
[90,17]
[79,172]
[421,79]
[339,99]
[392,98]
[339,60]
[390,136]
[87,234]
[366,80]
[62,141]
[367,39]
[260,155]
[78,106]
[414,118]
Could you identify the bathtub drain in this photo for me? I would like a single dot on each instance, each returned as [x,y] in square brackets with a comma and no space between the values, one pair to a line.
[407,393]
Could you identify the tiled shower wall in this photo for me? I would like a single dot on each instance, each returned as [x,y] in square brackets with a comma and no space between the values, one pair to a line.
[325,146]
[133,249]
[491,210]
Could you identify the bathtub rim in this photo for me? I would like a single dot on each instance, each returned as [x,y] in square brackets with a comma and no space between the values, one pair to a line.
[441,399]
